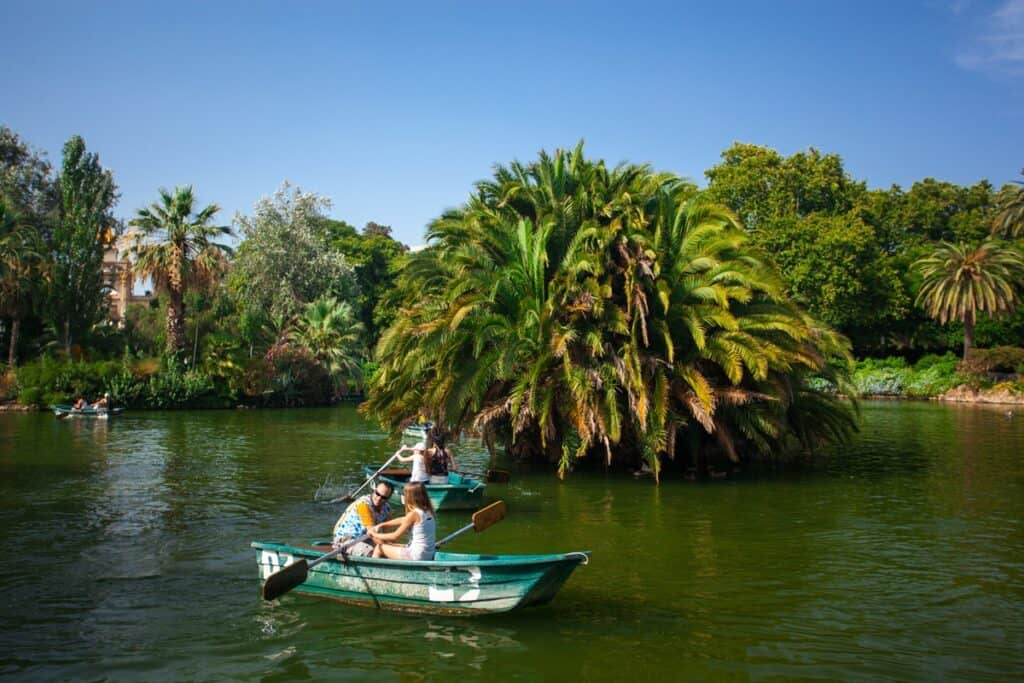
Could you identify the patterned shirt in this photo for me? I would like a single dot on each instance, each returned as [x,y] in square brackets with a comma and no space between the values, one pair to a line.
[359,516]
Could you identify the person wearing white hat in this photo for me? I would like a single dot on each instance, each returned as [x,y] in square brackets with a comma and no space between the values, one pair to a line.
[418,460]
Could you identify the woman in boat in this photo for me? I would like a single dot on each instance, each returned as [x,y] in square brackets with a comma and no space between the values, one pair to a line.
[418,460]
[441,461]
[103,402]
[419,518]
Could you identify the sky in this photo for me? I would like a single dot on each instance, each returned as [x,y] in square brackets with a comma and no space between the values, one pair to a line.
[393,110]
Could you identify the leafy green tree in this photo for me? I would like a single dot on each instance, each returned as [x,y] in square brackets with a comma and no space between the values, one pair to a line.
[960,282]
[376,258]
[85,227]
[760,185]
[329,330]
[1009,222]
[26,185]
[286,259]
[22,271]
[174,245]
[571,310]
[834,266]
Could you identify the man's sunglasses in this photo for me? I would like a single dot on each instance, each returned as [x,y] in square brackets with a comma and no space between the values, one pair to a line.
[382,496]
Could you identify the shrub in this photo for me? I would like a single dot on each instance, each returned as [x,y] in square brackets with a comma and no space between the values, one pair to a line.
[998,359]
[881,376]
[60,380]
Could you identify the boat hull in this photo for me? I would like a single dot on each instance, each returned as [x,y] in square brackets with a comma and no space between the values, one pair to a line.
[65,410]
[460,493]
[455,584]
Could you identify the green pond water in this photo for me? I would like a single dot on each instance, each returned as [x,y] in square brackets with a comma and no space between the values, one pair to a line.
[901,557]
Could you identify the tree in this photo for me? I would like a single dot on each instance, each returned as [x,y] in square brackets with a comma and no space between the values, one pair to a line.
[175,247]
[569,310]
[21,272]
[85,228]
[376,258]
[329,330]
[26,186]
[1009,222]
[286,259]
[960,282]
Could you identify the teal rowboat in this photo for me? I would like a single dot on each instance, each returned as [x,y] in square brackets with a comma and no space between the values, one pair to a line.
[65,410]
[455,584]
[460,493]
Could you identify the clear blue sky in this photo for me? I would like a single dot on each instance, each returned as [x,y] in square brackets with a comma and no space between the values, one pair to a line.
[394,109]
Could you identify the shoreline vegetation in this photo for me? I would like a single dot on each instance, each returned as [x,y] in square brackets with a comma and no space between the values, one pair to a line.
[568,311]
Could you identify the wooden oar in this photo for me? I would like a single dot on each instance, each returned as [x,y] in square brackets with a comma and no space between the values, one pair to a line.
[294,575]
[283,580]
[351,496]
[482,518]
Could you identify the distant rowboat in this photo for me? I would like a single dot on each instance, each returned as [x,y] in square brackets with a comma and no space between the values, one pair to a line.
[460,493]
[65,410]
[457,584]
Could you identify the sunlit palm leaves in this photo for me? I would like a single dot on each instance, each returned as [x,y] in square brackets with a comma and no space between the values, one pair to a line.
[332,334]
[570,310]
[176,248]
[960,282]
[1009,222]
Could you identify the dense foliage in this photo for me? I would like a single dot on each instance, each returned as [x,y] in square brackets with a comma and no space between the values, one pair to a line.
[570,310]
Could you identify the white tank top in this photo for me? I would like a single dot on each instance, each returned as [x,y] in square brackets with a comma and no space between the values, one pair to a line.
[423,537]
[419,468]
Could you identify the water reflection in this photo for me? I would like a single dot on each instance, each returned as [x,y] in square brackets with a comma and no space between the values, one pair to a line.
[900,556]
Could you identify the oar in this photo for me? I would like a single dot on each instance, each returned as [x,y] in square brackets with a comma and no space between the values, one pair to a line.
[283,580]
[352,496]
[292,576]
[482,518]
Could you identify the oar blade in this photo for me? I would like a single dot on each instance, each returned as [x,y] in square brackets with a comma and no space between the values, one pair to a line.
[282,581]
[492,514]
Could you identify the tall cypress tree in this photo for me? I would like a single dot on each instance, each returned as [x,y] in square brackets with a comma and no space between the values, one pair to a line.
[84,227]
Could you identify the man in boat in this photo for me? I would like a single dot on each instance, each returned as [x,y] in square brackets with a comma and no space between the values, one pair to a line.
[366,511]
[103,402]
[79,404]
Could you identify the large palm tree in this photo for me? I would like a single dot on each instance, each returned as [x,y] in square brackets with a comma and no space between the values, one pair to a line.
[329,330]
[21,271]
[961,281]
[570,309]
[175,247]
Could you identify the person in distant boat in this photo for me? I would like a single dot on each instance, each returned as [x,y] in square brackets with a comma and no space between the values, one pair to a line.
[441,461]
[103,402]
[419,462]
[418,520]
[79,404]
[365,512]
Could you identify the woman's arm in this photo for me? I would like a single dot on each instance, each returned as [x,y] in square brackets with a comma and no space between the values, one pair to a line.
[403,522]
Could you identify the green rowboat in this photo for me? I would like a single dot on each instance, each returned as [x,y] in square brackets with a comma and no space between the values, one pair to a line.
[456,584]
[460,493]
[65,410]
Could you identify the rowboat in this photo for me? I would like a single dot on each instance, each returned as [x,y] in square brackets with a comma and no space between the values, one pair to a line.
[417,431]
[65,410]
[460,493]
[457,584]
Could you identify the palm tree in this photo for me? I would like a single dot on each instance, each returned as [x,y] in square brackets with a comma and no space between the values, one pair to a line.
[960,282]
[21,270]
[175,248]
[329,330]
[569,309]
[1009,222]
